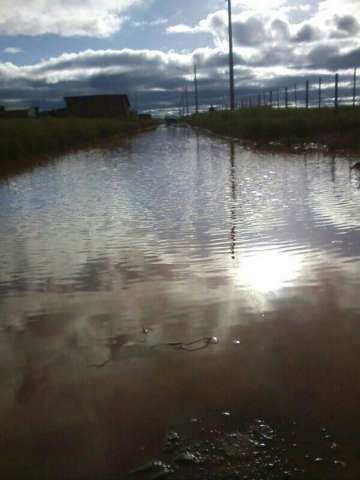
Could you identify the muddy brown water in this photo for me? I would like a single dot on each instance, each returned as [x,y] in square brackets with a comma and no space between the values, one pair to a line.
[109,256]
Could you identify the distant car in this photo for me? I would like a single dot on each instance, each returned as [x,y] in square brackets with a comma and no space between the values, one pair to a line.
[171,120]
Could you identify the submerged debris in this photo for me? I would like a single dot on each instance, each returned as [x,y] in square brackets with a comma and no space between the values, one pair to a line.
[173,440]
[146,331]
[155,470]
[258,452]
[226,414]
[188,457]
[195,345]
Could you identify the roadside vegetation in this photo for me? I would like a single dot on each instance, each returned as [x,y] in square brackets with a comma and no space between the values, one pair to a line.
[286,127]
[25,143]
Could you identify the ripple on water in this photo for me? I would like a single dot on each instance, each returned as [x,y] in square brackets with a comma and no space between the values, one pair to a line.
[198,204]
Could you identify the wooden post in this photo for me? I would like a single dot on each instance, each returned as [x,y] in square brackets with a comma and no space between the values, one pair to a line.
[181,105]
[231,59]
[271,98]
[264,99]
[354,89]
[295,95]
[307,89]
[278,98]
[196,90]
[336,93]
[320,85]
[187,101]
[286,97]
[250,102]
[259,100]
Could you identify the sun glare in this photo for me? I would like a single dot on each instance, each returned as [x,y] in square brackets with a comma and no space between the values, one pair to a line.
[268,271]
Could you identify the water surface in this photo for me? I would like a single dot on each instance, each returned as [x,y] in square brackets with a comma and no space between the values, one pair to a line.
[107,256]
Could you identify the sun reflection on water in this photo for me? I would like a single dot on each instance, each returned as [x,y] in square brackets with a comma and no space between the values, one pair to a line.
[268,271]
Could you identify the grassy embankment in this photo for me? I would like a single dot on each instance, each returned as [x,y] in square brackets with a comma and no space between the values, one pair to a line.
[25,143]
[287,128]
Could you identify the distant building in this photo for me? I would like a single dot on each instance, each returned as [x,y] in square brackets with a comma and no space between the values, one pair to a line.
[98,106]
[30,112]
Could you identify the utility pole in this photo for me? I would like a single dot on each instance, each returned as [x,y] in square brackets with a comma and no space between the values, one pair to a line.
[181,105]
[231,59]
[196,90]
[336,93]
[186,101]
[354,90]
[307,94]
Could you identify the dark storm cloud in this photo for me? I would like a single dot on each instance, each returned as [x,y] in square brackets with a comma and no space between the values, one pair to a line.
[319,56]
[249,33]
[342,62]
[157,74]
[265,49]
[329,57]
[347,24]
[280,30]
[306,34]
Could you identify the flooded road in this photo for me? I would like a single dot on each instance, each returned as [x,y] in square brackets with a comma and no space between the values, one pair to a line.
[114,262]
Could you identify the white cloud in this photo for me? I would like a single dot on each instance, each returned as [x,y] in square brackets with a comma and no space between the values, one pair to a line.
[12,50]
[151,23]
[259,5]
[63,17]
[182,28]
[269,44]
[275,34]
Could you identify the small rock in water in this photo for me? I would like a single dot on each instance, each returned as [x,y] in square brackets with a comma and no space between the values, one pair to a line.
[189,458]
[339,463]
[236,342]
[213,340]
[173,437]
[226,414]
[149,467]
[172,442]
[146,331]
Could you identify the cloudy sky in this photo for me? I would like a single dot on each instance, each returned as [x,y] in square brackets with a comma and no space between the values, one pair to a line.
[53,48]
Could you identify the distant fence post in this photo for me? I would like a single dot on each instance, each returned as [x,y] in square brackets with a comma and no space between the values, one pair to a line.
[336,93]
[320,85]
[295,95]
[271,98]
[259,100]
[286,97]
[250,102]
[278,98]
[307,88]
[354,89]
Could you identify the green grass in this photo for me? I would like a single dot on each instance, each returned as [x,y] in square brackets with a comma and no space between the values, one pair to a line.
[289,127]
[24,143]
